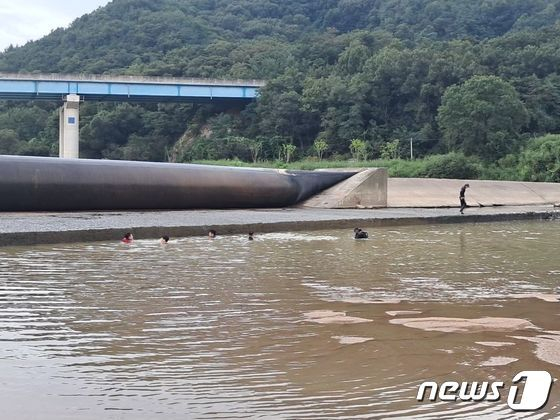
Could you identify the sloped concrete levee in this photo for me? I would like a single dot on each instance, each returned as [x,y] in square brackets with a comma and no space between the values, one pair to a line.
[423,192]
[366,189]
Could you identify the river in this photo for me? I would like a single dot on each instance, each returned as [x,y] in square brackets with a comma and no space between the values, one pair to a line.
[288,326]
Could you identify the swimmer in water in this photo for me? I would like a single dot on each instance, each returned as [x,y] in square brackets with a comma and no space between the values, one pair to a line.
[360,234]
[164,240]
[211,233]
[127,238]
[250,236]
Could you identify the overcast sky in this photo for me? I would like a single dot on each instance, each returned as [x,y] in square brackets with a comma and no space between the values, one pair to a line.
[26,20]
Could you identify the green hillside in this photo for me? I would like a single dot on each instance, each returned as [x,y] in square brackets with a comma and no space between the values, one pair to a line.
[478,78]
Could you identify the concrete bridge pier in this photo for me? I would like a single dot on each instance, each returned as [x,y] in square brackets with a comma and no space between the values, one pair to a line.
[69,131]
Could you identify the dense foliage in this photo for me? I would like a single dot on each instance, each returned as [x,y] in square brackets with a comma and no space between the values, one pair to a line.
[477,78]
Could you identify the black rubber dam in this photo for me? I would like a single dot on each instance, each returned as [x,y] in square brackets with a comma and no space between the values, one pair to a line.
[54,184]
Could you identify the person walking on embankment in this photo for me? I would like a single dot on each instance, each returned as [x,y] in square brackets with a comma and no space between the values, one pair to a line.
[462,197]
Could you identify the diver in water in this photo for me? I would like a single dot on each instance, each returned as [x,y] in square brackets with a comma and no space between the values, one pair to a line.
[360,234]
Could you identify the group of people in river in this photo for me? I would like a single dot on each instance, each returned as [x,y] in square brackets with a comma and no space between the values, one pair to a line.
[358,232]
[128,237]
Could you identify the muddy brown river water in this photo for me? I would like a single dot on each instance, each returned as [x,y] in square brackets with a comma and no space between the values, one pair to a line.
[288,326]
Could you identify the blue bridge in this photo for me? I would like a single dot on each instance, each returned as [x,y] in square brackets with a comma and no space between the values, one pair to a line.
[55,87]
[73,89]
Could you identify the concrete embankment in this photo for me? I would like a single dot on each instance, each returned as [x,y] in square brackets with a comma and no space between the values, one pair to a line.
[371,188]
[424,192]
[366,189]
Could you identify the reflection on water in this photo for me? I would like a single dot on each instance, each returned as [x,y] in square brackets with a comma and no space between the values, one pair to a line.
[303,325]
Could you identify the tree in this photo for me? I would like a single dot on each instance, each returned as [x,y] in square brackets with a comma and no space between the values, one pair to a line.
[540,160]
[542,100]
[482,116]
[288,151]
[9,142]
[27,122]
[359,149]
[281,114]
[320,146]
[390,150]
[255,147]
[113,126]
[34,147]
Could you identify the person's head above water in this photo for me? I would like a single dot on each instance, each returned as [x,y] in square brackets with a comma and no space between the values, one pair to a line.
[251,236]
[360,234]
[127,237]
[164,239]
[211,233]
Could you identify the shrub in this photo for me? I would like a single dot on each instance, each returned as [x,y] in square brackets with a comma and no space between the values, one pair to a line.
[359,149]
[451,165]
[540,160]
[404,168]
[506,169]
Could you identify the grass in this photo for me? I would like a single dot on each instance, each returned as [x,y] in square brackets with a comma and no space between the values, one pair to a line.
[396,167]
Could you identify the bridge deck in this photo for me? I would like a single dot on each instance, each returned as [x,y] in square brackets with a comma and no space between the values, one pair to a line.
[55,87]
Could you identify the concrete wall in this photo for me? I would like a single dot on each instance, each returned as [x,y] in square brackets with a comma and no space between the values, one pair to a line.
[366,189]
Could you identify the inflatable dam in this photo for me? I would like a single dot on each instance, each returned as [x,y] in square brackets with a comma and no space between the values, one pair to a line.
[55,184]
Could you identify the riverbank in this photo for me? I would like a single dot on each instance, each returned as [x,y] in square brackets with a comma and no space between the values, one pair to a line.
[429,192]
[63,227]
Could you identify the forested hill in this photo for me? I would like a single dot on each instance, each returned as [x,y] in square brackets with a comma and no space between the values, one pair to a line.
[478,77]
[219,37]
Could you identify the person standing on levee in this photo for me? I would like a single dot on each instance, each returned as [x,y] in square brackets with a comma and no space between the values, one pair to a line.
[462,197]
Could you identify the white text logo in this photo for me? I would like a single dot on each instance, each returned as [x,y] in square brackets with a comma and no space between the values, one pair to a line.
[534,396]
